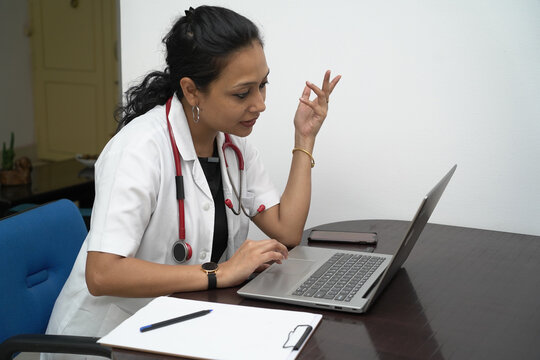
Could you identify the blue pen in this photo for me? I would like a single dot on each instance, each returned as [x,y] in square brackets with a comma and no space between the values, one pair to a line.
[175,320]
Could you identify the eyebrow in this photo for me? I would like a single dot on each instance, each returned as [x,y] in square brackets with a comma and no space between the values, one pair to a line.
[249,83]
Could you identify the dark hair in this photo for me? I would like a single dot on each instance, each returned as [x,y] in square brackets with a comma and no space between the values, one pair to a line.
[197,46]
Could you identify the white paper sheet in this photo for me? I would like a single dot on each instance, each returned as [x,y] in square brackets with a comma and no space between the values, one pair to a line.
[228,332]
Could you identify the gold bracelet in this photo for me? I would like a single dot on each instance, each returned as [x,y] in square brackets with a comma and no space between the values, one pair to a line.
[308,154]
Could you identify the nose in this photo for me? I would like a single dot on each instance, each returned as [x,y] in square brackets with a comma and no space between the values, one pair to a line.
[258,104]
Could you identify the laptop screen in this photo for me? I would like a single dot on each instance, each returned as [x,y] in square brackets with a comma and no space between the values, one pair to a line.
[415,229]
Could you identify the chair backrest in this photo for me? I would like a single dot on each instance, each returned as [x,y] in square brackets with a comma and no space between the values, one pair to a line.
[37,250]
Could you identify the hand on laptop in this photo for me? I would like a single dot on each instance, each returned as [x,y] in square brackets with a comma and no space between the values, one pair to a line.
[265,266]
[250,257]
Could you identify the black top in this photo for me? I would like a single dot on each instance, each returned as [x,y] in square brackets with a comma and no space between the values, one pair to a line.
[212,172]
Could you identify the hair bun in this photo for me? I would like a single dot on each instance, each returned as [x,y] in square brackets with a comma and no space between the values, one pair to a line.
[189,13]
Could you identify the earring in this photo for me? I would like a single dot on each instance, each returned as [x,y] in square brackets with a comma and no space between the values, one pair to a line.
[195,118]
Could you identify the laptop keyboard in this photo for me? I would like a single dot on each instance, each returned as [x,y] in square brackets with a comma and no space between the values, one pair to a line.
[340,277]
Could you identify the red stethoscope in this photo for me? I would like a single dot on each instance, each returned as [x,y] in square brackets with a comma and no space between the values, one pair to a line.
[181,249]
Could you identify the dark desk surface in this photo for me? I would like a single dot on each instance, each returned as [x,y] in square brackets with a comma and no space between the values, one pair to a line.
[462,294]
[51,181]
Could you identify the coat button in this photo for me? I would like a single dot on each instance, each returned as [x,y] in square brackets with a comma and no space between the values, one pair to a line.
[202,255]
[206,207]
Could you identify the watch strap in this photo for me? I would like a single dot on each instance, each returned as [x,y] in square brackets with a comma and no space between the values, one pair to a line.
[212,280]
[210,268]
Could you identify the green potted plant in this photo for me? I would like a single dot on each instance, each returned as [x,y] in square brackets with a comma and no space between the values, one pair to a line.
[14,172]
[8,155]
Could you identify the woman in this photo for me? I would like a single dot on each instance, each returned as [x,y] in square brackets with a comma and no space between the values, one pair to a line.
[214,84]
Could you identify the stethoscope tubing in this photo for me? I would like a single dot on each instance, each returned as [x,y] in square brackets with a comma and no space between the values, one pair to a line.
[187,251]
[228,144]
[179,180]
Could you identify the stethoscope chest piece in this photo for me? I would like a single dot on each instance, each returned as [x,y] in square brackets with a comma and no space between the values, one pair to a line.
[181,251]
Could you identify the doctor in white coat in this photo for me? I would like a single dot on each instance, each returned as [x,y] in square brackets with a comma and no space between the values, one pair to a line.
[155,233]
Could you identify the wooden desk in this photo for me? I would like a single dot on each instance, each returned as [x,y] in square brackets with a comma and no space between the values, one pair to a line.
[463,294]
[56,180]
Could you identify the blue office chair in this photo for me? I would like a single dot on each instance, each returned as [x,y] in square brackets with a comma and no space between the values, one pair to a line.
[85,212]
[37,250]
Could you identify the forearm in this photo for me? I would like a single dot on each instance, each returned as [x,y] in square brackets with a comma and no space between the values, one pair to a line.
[286,221]
[296,198]
[114,275]
[109,274]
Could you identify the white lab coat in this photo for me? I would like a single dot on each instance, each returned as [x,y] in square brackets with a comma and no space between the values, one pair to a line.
[135,212]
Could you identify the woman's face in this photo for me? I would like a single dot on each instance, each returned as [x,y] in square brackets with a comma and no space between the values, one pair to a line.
[234,101]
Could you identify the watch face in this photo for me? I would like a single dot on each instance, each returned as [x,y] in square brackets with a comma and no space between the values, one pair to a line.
[210,266]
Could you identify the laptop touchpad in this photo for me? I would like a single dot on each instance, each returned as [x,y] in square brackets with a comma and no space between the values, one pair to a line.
[280,278]
[291,267]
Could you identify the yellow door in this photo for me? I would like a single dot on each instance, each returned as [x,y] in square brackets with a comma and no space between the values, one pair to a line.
[75,75]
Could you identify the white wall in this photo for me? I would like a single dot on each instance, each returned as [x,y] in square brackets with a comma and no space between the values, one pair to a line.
[426,84]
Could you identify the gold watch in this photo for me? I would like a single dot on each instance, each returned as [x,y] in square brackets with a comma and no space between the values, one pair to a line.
[210,268]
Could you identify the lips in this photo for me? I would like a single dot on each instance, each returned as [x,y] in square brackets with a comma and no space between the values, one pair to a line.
[249,123]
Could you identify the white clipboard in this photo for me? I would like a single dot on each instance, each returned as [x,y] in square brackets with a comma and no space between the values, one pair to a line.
[228,332]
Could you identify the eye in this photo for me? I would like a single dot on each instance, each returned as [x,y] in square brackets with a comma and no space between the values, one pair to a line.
[242,95]
[246,94]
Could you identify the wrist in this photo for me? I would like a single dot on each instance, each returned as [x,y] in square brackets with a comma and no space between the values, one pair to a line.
[211,270]
[222,276]
[304,142]
[307,153]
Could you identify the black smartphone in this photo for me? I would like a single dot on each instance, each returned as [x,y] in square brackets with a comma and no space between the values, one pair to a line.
[364,238]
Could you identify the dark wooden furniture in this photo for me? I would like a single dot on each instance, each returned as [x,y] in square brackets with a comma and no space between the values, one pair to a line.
[66,179]
[462,294]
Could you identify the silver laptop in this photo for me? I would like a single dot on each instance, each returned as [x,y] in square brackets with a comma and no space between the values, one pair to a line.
[340,279]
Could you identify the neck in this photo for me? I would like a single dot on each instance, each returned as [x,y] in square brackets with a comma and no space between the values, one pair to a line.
[203,137]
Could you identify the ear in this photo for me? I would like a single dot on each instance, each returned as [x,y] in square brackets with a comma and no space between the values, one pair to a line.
[190,91]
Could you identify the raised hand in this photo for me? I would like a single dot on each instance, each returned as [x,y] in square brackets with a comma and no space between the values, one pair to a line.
[310,114]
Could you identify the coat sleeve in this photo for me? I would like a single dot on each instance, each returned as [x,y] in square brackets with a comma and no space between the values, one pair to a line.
[127,185]
[260,189]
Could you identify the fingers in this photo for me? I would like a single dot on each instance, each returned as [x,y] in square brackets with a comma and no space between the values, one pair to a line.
[277,250]
[326,80]
[328,86]
[334,83]
[308,103]
[323,95]
[266,252]
[273,251]
[275,246]
[306,93]
[252,255]
[262,268]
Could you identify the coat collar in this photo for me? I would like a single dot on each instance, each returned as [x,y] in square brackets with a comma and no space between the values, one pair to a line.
[182,134]
[181,131]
